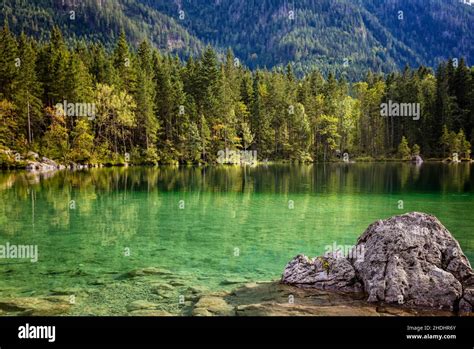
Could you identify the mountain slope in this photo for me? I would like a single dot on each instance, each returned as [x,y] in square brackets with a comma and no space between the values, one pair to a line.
[100,20]
[341,35]
[345,36]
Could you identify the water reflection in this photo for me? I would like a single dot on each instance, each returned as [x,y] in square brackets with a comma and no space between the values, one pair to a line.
[281,179]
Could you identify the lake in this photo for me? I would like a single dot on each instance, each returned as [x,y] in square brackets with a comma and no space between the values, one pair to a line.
[211,227]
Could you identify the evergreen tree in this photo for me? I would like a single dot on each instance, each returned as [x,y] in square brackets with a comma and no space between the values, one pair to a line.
[10,63]
[147,123]
[27,92]
[125,66]
[403,149]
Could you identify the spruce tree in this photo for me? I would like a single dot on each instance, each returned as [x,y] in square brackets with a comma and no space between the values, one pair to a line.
[10,63]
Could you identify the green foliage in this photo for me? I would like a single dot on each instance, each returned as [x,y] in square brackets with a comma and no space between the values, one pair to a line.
[9,131]
[114,120]
[82,143]
[404,151]
[8,61]
[416,149]
[27,90]
[455,143]
[152,108]
[56,138]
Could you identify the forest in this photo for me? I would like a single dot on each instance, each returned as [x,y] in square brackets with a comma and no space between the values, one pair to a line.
[345,37]
[88,104]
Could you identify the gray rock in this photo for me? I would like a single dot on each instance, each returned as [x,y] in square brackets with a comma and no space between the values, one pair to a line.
[410,259]
[32,154]
[466,304]
[44,165]
[325,273]
[417,159]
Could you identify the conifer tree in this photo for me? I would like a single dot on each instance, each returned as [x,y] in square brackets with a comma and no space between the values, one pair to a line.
[10,63]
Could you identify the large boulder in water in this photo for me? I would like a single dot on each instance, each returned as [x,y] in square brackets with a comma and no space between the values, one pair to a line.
[411,259]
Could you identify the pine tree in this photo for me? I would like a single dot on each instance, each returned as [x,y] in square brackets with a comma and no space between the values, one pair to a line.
[461,88]
[78,82]
[10,137]
[207,84]
[147,123]
[464,145]
[403,149]
[27,92]
[101,66]
[327,135]
[125,65]
[55,71]
[10,63]
[415,149]
[205,138]
[445,139]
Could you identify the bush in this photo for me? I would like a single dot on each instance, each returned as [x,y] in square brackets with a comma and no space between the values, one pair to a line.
[403,149]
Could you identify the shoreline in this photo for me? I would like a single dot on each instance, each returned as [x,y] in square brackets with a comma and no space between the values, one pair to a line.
[75,167]
[164,294]
[257,298]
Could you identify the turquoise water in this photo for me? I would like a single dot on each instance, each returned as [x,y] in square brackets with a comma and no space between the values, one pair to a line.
[210,225]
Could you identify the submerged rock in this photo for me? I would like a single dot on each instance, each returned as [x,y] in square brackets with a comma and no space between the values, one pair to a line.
[148,271]
[277,299]
[410,259]
[35,306]
[233,281]
[162,287]
[212,306]
[150,312]
[141,305]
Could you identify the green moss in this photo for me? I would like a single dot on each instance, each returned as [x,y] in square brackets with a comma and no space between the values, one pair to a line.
[325,264]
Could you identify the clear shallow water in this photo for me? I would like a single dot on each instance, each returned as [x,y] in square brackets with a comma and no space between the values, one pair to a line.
[210,224]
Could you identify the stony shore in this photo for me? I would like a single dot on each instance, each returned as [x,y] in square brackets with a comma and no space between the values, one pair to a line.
[146,298]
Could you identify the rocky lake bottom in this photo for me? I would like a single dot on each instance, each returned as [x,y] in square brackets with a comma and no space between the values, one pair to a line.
[157,292]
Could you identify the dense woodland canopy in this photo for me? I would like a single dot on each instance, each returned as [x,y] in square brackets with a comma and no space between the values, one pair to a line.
[154,108]
[346,37]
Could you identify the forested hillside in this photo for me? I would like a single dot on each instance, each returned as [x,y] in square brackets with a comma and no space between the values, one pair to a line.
[343,36]
[346,37]
[99,21]
[146,107]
